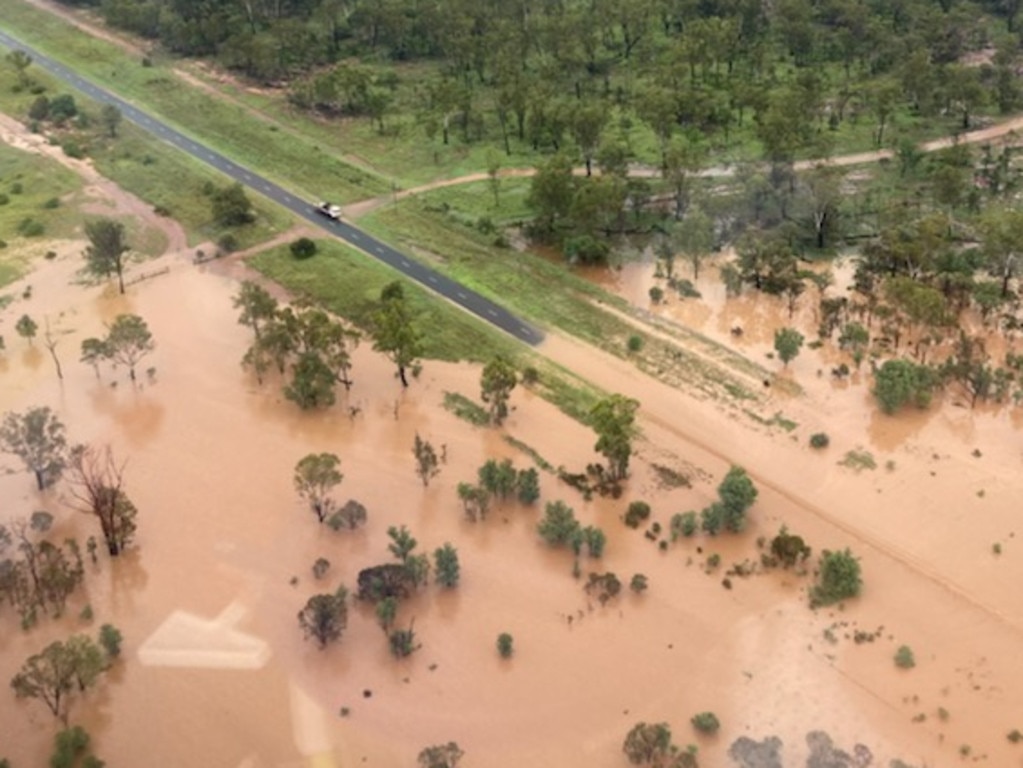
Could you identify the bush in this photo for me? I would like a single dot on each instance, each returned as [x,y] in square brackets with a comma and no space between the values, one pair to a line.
[4,199]
[637,513]
[819,440]
[656,294]
[505,645]
[639,583]
[635,343]
[228,243]
[303,248]
[110,638]
[53,202]
[904,657]
[706,722]
[320,567]
[683,524]
[73,149]
[838,579]
[29,227]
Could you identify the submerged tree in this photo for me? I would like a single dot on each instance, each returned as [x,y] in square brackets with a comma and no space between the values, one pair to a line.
[316,475]
[441,756]
[97,482]
[58,672]
[427,463]
[612,419]
[497,382]
[37,438]
[104,255]
[446,565]
[325,617]
[128,341]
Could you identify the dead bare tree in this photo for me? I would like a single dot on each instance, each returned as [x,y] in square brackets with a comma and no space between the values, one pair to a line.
[96,484]
[51,345]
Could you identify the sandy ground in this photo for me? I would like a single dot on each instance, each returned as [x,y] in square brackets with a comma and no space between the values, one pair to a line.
[216,673]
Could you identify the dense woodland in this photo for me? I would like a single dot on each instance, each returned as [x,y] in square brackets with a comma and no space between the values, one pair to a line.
[717,100]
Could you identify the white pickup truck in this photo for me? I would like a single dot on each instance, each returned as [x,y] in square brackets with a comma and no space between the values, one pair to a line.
[329,209]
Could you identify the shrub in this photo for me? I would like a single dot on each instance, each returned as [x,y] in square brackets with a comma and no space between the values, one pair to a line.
[839,578]
[637,513]
[706,722]
[4,199]
[303,248]
[29,227]
[904,657]
[110,638]
[73,149]
[320,567]
[656,294]
[683,524]
[635,343]
[819,440]
[1015,736]
[639,583]
[228,243]
[53,202]
[505,645]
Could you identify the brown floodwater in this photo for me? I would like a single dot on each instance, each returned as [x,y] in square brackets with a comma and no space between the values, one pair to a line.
[215,671]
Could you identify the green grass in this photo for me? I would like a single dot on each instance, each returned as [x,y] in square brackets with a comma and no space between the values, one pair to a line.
[284,155]
[468,203]
[551,294]
[858,460]
[531,452]
[465,409]
[40,180]
[348,283]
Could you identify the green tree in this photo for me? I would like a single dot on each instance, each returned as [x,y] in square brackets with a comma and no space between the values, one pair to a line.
[26,328]
[402,543]
[648,744]
[110,638]
[559,526]
[737,494]
[787,343]
[446,565]
[316,475]
[497,382]
[551,191]
[441,756]
[498,478]
[427,463]
[386,612]
[231,206]
[312,383]
[128,341]
[58,672]
[396,336]
[350,516]
[527,486]
[838,578]
[898,382]
[110,116]
[325,617]
[37,437]
[855,338]
[403,642]
[612,419]
[104,256]
[94,351]
[20,62]
[505,645]
[257,306]
[694,237]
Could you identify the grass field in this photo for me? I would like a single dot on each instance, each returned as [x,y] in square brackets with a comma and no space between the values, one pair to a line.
[348,283]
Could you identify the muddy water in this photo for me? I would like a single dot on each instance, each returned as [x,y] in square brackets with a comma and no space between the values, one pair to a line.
[216,673]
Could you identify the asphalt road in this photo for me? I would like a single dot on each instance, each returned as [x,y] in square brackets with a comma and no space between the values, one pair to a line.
[456,292]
